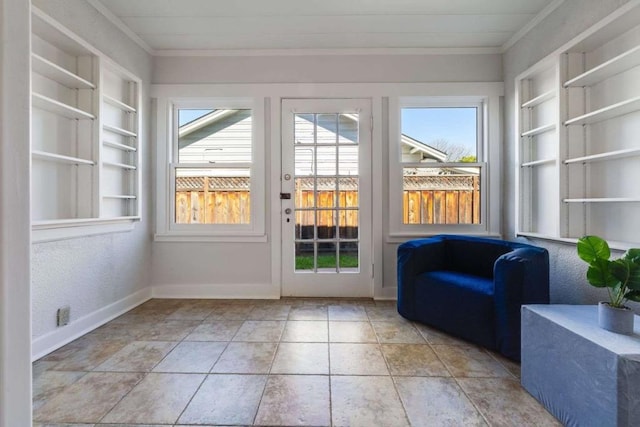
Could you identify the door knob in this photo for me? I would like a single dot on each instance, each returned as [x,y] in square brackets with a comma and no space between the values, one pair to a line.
[287,211]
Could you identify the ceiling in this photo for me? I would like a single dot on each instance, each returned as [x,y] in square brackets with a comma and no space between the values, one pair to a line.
[261,25]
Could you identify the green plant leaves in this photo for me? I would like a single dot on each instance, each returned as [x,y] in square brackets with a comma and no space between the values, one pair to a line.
[599,275]
[591,248]
[633,296]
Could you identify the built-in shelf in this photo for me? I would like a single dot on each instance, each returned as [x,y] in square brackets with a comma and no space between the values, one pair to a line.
[608,112]
[604,200]
[538,162]
[61,75]
[124,147]
[610,155]
[539,130]
[46,223]
[57,107]
[59,158]
[119,131]
[118,104]
[119,165]
[120,196]
[623,62]
[539,99]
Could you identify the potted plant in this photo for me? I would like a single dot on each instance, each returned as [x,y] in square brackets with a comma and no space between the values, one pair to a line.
[620,276]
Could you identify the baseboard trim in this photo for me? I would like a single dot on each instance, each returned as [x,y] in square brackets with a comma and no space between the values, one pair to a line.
[383,294]
[217,291]
[53,340]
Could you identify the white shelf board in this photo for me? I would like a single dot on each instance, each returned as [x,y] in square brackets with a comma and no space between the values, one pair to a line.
[608,112]
[604,200]
[59,158]
[114,144]
[539,130]
[539,99]
[538,162]
[616,65]
[119,131]
[119,165]
[119,196]
[118,104]
[61,75]
[609,155]
[57,107]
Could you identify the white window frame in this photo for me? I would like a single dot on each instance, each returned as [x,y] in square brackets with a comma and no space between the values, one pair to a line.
[487,155]
[167,163]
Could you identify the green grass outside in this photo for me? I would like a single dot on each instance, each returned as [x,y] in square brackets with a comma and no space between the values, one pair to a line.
[326,261]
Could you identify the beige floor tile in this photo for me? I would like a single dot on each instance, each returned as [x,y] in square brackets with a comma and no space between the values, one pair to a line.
[191,313]
[383,313]
[239,311]
[225,399]
[437,402]
[133,425]
[436,337]
[347,312]
[397,332]
[73,425]
[139,356]
[301,358]
[351,332]
[510,365]
[39,367]
[246,358]
[88,399]
[295,400]
[270,312]
[504,402]
[85,353]
[356,359]
[49,384]
[123,331]
[306,331]
[260,331]
[157,307]
[215,330]
[158,398]
[416,360]
[191,357]
[308,312]
[169,330]
[463,361]
[365,402]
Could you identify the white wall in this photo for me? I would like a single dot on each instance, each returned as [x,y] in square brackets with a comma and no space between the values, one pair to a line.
[245,269]
[568,282]
[15,228]
[98,275]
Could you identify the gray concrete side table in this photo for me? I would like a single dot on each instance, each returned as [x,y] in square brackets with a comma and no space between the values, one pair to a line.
[582,374]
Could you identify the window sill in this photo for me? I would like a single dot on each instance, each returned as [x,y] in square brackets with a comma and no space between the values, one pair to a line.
[52,230]
[204,238]
[615,245]
[401,237]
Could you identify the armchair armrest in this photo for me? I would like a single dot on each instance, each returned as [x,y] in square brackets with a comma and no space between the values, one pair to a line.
[520,277]
[414,258]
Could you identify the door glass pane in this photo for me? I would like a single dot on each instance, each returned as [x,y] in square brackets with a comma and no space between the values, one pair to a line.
[348,160]
[349,256]
[348,222]
[326,220]
[326,160]
[304,192]
[304,129]
[348,192]
[327,128]
[326,192]
[348,129]
[327,260]
[305,256]
[305,160]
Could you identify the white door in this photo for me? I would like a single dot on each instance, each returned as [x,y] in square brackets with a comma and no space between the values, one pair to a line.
[326,198]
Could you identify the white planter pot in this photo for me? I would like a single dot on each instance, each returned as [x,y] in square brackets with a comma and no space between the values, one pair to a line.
[618,320]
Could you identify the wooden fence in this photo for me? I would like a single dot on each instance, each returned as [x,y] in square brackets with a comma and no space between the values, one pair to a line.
[434,206]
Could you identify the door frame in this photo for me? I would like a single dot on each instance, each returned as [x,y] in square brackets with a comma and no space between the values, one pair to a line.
[347,284]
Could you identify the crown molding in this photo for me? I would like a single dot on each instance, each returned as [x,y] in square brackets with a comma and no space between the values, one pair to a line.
[531,24]
[329,52]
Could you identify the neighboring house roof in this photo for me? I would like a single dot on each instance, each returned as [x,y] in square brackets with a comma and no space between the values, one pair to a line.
[427,150]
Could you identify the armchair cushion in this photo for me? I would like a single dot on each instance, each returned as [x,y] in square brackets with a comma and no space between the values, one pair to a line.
[472,287]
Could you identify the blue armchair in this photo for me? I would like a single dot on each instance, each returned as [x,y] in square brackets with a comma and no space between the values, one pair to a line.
[472,287]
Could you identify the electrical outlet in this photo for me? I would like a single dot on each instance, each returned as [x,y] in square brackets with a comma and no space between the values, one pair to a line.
[63,316]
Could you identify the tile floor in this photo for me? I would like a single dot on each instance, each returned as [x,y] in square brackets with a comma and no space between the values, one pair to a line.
[291,362]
